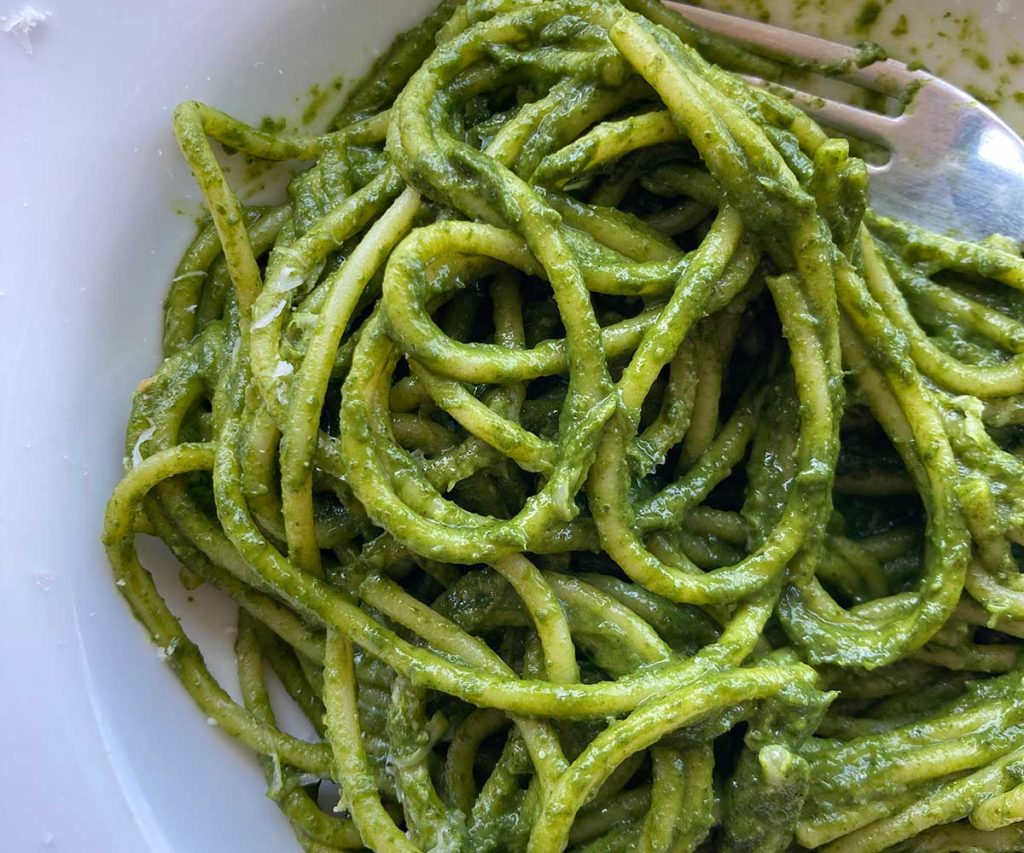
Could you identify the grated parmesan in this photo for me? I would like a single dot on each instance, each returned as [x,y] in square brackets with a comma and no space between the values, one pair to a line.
[267,317]
[288,278]
[284,368]
[144,436]
[21,24]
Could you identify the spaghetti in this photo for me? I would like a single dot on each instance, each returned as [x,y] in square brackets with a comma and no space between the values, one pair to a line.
[592,467]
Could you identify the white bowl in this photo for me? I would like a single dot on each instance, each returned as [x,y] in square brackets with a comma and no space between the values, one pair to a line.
[101,749]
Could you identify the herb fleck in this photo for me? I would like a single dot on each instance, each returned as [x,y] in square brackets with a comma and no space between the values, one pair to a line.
[868,14]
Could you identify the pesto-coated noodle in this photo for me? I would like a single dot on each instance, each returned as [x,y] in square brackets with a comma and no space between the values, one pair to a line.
[592,467]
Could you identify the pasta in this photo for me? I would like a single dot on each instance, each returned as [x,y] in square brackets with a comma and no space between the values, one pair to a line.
[592,466]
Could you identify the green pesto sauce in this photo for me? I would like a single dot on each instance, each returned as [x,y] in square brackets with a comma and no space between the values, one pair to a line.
[965,48]
[867,15]
[269,124]
[317,97]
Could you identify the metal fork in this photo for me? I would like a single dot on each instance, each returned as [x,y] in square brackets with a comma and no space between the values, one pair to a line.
[954,166]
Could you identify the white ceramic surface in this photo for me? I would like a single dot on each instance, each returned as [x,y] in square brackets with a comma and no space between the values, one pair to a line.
[100,749]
